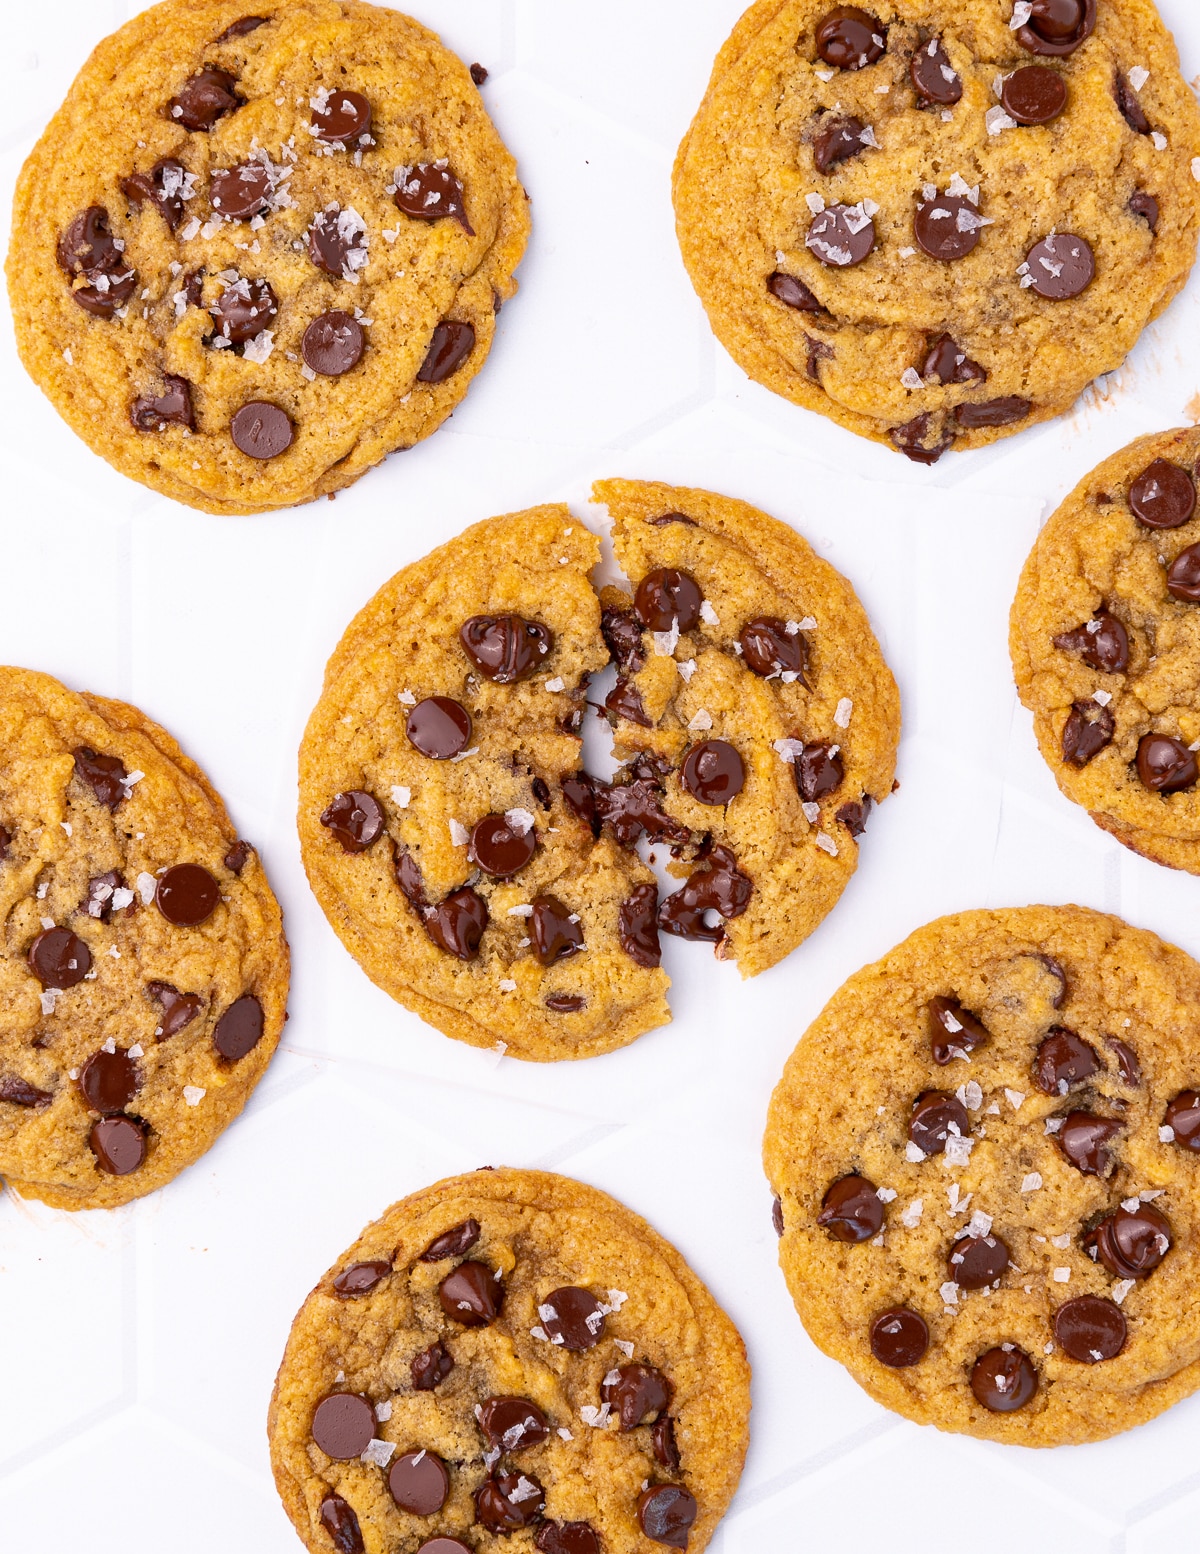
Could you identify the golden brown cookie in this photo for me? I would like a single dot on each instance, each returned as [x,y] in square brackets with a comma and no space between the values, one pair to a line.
[987,1154]
[1105,644]
[253,254]
[509,1360]
[937,223]
[471,865]
[144,971]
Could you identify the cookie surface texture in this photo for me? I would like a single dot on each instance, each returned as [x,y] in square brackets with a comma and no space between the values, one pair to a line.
[993,1227]
[1105,644]
[533,1368]
[933,223]
[144,968]
[481,875]
[250,261]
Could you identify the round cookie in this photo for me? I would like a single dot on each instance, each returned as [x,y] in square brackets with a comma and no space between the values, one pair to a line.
[993,1223]
[1105,644]
[487,881]
[144,971]
[933,223]
[253,254]
[509,1359]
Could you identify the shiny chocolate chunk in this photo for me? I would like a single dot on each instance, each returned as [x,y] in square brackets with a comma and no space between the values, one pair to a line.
[408,876]
[1128,1066]
[1183,1118]
[239,29]
[333,343]
[1004,1379]
[343,1424]
[977,1261]
[501,847]
[713,773]
[429,191]
[793,293]
[119,1144]
[355,819]
[849,38]
[1088,730]
[240,1028]
[1163,496]
[105,775]
[664,1445]
[721,887]
[838,141]
[170,407]
[88,251]
[472,1294]
[261,430]
[101,896]
[567,1538]
[187,895]
[920,439]
[1034,95]
[624,701]
[1082,1139]
[1183,576]
[1102,644]
[854,816]
[777,1216]
[340,116]
[841,236]
[455,1242]
[431,1367]
[203,99]
[1057,27]
[512,1423]
[507,1502]
[666,1511]
[1127,101]
[419,1483]
[1060,267]
[452,342]
[444,1546]
[237,193]
[456,924]
[1131,1243]
[439,728]
[953,1031]
[566,1003]
[572,1318]
[622,633]
[668,597]
[819,771]
[1063,1061]
[851,1210]
[638,926]
[638,1394]
[59,959]
[165,186]
[1166,765]
[947,227]
[936,82]
[337,242]
[19,1092]
[557,932]
[108,1081]
[899,1338]
[178,1009]
[769,648]
[243,310]
[479,74]
[505,648]
[360,1279]
[1090,1329]
[340,1522]
[1142,203]
[947,363]
[937,1116]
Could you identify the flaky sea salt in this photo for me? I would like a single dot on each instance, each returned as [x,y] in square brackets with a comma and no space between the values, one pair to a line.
[596,1417]
[459,835]
[687,668]
[407,698]
[401,796]
[949,1293]
[812,812]
[844,709]
[383,1412]
[378,1452]
[815,203]
[980,1224]
[1022,11]
[911,378]
[1061,1275]
[827,844]
[886,1194]
[1032,1182]
[911,1216]
[971,1095]
[708,615]
[913,1153]
[1166,1134]
[1121,1289]
[146,885]
[520,911]
[1138,76]
[703,719]
[519,820]
[556,685]
[998,121]
[1159,140]
[194,1094]
[788,750]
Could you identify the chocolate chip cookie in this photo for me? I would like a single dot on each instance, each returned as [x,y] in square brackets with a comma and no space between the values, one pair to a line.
[253,254]
[509,1360]
[144,969]
[473,866]
[934,223]
[986,1155]
[1105,643]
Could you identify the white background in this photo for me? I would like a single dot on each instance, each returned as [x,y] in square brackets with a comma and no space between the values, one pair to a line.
[137,1348]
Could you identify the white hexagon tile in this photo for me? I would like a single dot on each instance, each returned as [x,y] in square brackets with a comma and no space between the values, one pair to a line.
[140,1345]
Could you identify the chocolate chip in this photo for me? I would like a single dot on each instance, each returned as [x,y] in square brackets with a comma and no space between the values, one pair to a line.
[105,775]
[1057,26]
[101,891]
[947,226]
[1183,1116]
[261,430]
[819,771]
[88,250]
[333,343]
[19,1092]
[623,635]
[849,38]
[342,116]
[419,1483]
[239,30]
[838,141]
[899,1338]
[851,1210]
[1063,1061]
[638,1395]
[512,1423]
[818,351]
[667,1511]
[713,773]
[431,1367]
[1035,95]
[237,857]
[638,926]
[933,1115]
[108,1081]
[1061,266]
[1127,1064]
[187,895]
[1090,1329]
[932,76]
[949,364]
[501,848]
[478,74]
[339,1520]
[1004,1379]
[721,888]
[409,878]
[178,1009]
[429,191]
[337,242]
[237,193]
[1163,496]
[455,1242]
[1183,576]
[1142,203]
[171,407]
[509,1501]
[360,1279]
[471,1294]
[443,1546]
[439,728]
[557,932]
[456,924]
[1165,765]
[206,97]
[452,342]
[566,1538]
[1082,1139]
[163,187]
[953,1030]
[240,1028]
[769,648]
[1102,644]
[841,236]
[1088,730]
[977,1261]
[59,959]
[572,1319]
[566,1003]
[777,1216]
[343,1424]
[119,1144]
[793,293]
[192,288]
[1131,1243]
[505,648]
[1127,101]
[668,597]
[624,701]
[355,819]
[664,1445]
[6,837]
[915,438]
[854,816]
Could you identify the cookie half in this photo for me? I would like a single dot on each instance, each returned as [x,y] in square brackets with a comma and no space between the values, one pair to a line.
[486,880]
[993,1223]
[144,969]
[1105,644]
[509,1359]
[254,254]
[937,223]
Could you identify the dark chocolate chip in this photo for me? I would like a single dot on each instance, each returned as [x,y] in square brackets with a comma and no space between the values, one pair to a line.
[88,250]
[777,1215]
[1088,730]
[178,1009]
[240,1028]
[360,1279]
[59,959]
[1183,1117]
[355,819]
[1058,27]
[977,1261]
[1082,1139]
[342,116]
[1034,95]
[187,895]
[443,1545]
[237,193]
[1063,1061]
[638,926]
[1165,765]
[165,186]
[409,878]
[1142,203]
[916,438]
[769,648]
[505,648]
[838,141]
[239,29]
[566,1538]
[623,635]
[192,288]
[1102,644]
[556,930]
[949,364]
[721,888]
[1059,975]
[793,293]
[339,1520]
[1127,101]
[953,1031]
[937,1116]
[98,902]
[541,792]
[572,1319]
[479,74]
[1183,576]
[333,343]
[105,775]
[428,191]
[899,1338]
[713,773]
[638,1395]
[456,924]
[452,342]
[439,728]
[1004,1379]
[819,771]
[509,1501]
[947,227]
[1061,266]
[1163,496]
[849,38]
[1127,1063]
[171,407]
[512,1423]
[243,310]
[668,597]
[261,430]
[455,1242]
[501,847]
[854,816]
[566,1003]
[337,242]
[841,236]
[419,1483]
[624,701]
[666,1511]
[932,76]
[431,1367]
[108,1081]
[19,1092]
[119,1144]
[343,1424]
[851,1210]
[818,351]
[472,1294]
[664,1444]
[236,859]
[1090,1329]
[206,97]
[1131,1243]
